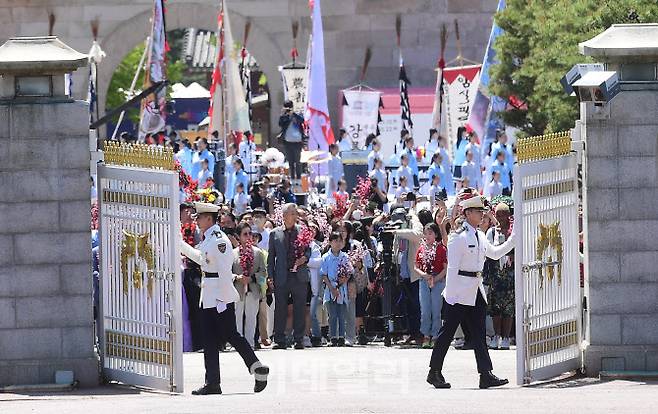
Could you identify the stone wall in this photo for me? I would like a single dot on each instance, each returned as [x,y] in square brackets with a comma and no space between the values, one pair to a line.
[350,26]
[622,157]
[45,258]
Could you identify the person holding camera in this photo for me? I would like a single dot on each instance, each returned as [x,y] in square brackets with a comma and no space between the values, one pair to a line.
[407,243]
[464,297]
[293,137]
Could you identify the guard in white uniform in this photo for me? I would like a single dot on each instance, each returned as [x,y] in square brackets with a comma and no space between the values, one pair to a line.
[215,256]
[464,298]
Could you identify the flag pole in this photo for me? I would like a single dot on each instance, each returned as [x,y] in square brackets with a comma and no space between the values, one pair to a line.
[132,85]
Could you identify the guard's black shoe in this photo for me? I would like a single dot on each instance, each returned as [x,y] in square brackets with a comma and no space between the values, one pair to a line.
[261,374]
[208,389]
[341,341]
[489,380]
[299,345]
[316,342]
[279,345]
[334,342]
[435,378]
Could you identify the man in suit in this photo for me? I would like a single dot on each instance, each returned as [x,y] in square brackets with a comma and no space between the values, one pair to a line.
[291,277]
[215,256]
[464,298]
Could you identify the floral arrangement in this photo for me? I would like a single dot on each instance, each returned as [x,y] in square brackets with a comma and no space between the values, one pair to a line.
[304,239]
[187,184]
[363,189]
[207,195]
[427,257]
[323,225]
[345,270]
[246,253]
[277,215]
[357,255]
[94,216]
[341,205]
[188,230]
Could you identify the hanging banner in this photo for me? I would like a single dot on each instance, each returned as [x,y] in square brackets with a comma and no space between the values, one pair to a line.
[295,81]
[459,89]
[360,114]
[153,107]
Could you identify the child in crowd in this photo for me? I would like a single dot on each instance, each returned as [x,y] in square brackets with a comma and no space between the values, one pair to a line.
[404,170]
[402,189]
[204,174]
[436,192]
[431,264]
[335,170]
[342,188]
[240,200]
[334,263]
[493,188]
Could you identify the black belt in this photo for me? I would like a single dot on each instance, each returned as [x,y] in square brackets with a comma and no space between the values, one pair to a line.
[469,274]
[210,275]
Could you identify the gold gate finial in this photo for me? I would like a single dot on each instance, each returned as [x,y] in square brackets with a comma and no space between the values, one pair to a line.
[138,155]
[543,147]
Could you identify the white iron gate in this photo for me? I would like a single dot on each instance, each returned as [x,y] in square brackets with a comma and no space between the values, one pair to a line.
[140,286]
[547,260]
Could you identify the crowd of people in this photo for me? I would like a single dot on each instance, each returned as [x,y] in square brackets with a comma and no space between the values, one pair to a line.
[339,266]
[333,293]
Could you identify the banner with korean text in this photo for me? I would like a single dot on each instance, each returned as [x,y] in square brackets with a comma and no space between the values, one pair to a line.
[459,89]
[360,114]
[295,81]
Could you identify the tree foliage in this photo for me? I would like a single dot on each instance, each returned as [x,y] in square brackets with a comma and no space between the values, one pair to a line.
[123,76]
[539,45]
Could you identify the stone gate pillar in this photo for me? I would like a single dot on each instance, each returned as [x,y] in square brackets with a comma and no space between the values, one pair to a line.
[622,214]
[46,320]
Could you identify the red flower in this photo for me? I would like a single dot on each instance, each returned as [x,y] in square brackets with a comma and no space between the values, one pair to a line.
[341,205]
[363,189]
[304,239]
[246,258]
[188,230]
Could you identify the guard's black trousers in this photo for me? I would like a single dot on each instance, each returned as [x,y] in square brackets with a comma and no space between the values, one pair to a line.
[472,317]
[220,328]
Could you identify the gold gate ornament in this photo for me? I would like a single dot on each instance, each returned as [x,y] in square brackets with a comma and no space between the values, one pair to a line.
[549,237]
[137,246]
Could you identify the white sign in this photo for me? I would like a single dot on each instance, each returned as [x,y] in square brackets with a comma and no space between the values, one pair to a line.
[459,88]
[360,115]
[295,81]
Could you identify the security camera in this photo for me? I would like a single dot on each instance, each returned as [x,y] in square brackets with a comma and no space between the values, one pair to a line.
[577,72]
[597,87]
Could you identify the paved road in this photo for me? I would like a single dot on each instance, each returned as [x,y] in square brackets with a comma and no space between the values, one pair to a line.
[357,380]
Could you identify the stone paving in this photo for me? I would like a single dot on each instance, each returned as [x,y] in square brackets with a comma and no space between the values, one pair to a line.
[374,379]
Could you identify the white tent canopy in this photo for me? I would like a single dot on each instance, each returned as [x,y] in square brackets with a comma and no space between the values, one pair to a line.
[194,90]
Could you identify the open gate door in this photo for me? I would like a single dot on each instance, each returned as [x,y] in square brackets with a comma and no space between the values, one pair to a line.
[547,260]
[140,285]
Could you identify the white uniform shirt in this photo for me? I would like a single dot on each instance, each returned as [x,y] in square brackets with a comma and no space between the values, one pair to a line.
[493,189]
[345,144]
[471,170]
[246,150]
[467,252]
[371,159]
[215,255]
[380,175]
[240,202]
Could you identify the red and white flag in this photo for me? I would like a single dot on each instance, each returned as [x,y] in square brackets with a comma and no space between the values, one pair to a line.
[228,59]
[153,106]
[317,109]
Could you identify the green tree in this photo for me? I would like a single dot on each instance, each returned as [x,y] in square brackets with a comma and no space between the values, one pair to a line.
[123,76]
[540,44]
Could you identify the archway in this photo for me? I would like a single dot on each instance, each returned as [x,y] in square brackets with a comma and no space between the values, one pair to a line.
[118,43]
